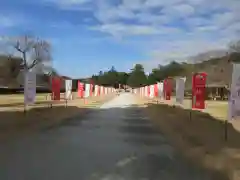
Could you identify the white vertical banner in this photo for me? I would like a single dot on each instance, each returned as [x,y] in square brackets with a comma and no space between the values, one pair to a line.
[160,90]
[102,90]
[29,88]
[234,102]
[87,90]
[146,91]
[68,89]
[96,90]
[151,91]
[180,88]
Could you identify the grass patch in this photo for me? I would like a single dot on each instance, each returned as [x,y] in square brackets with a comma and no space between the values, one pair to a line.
[201,138]
[13,121]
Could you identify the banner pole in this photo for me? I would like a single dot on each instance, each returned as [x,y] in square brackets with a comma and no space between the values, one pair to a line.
[226,130]
[25,109]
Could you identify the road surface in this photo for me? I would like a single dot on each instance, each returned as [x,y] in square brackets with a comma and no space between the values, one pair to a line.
[116,142]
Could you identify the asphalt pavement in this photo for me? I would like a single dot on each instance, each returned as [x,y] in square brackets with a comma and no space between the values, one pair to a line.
[115,142]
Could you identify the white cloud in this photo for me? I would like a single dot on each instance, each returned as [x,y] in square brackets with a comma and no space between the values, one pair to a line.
[6,21]
[163,3]
[184,9]
[108,14]
[207,28]
[180,28]
[68,2]
[119,30]
[81,5]
[178,10]
[226,18]
[181,50]
[133,4]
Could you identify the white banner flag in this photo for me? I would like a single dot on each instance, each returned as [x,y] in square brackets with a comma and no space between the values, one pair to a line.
[160,90]
[29,88]
[68,89]
[234,102]
[96,90]
[151,91]
[102,90]
[146,91]
[87,90]
[180,88]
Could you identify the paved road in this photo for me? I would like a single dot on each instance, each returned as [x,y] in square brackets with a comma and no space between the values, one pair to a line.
[116,142]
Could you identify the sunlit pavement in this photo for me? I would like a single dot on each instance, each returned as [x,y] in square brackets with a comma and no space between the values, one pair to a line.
[115,142]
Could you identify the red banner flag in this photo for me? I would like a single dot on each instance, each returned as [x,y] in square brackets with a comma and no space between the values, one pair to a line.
[91,87]
[155,90]
[167,88]
[56,86]
[198,90]
[148,91]
[99,90]
[80,89]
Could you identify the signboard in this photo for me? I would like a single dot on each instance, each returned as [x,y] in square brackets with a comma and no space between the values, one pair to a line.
[80,89]
[29,88]
[87,90]
[56,86]
[68,89]
[234,103]
[167,89]
[180,87]
[198,90]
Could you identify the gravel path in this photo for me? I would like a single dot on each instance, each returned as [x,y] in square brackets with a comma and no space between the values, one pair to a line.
[115,142]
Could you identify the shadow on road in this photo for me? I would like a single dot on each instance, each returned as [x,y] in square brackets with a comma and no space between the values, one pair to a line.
[203,130]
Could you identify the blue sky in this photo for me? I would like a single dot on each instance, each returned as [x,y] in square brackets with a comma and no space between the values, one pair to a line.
[92,35]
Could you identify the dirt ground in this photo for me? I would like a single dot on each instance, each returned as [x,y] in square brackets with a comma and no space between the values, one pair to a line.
[200,135]
[43,114]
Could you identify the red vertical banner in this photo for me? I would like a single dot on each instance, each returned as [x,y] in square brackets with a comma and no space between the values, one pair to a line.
[99,90]
[91,90]
[80,89]
[91,87]
[56,86]
[155,90]
[148,91]
[198,90]
[167,88]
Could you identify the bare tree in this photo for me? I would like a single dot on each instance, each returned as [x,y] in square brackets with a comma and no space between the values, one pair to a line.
[235,46]
[33,51]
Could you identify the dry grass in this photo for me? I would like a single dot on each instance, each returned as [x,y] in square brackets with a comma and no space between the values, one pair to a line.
[201,138]
[19,99]
[13,120]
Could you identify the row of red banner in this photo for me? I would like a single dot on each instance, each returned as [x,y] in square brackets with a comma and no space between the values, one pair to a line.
[164,90]
[56,86]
